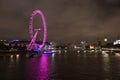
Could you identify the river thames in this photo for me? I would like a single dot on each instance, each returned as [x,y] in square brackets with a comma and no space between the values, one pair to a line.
[60,66]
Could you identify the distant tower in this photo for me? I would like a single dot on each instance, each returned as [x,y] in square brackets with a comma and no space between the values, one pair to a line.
[105,41]
[99,43]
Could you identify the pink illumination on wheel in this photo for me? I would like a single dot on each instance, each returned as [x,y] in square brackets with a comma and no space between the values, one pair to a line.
[37,11]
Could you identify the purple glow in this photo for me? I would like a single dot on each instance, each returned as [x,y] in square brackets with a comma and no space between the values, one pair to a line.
[45,67]
[38,68]
[37,11]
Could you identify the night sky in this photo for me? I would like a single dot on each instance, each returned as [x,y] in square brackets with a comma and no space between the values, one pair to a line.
[67,20]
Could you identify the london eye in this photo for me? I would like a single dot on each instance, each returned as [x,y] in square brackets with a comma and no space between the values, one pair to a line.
[34,32]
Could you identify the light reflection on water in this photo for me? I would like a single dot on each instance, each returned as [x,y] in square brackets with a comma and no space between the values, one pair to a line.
[62,66]
[106,66]
[39,68]
[44,64]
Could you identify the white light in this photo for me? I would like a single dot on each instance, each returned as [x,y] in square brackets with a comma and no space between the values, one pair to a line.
[105,40]
[78,51]
[53,55]
[75,46]
[17,56]
[116,42]
[11,56]
[65,51]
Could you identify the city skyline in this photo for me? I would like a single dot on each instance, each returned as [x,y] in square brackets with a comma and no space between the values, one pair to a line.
[67,20]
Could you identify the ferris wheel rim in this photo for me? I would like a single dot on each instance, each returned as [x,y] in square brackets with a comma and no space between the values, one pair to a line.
[37,11]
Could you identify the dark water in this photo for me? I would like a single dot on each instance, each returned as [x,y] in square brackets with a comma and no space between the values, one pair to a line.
[64,66]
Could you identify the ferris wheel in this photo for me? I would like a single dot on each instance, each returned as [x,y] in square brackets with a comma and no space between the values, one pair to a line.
[34,32]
